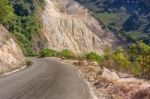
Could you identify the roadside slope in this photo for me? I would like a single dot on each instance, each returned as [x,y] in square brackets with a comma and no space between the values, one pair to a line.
[10,54]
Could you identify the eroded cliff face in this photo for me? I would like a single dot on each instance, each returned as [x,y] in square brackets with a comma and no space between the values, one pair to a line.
[10,54]
[68,25]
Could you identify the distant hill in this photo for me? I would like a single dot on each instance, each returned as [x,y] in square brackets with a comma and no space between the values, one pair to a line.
[129,18]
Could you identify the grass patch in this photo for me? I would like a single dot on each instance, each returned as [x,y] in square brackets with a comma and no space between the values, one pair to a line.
[53,53]
[66,53]
[93,57]
[106,18]
[47,53]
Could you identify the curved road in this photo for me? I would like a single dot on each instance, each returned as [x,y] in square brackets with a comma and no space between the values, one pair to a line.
[45,79]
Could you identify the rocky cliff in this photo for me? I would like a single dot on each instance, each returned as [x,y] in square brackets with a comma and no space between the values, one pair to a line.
[68,25]
[10,54]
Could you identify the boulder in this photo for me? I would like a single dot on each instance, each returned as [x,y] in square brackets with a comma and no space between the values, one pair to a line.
[110,76]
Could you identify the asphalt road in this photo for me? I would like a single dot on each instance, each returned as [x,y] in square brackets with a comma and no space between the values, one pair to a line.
[45,79]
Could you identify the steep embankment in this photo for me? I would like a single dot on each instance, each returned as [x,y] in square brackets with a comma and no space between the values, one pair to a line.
[10,54]
[67,25]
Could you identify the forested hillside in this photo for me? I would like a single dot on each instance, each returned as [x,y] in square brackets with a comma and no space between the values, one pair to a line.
[20,17]
[129,18]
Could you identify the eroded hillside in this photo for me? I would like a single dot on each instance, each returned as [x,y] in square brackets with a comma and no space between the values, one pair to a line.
[67,25]
[10,54]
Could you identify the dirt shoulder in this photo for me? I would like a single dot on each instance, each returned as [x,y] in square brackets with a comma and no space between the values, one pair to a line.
[108,84]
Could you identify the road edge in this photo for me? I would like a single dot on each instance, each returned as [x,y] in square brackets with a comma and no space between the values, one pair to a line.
[93,95]
[14,71]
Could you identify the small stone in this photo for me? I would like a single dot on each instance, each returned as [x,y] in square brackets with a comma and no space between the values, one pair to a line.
[76,63]
[83,63]
[91,79]
[101,84]
[63,58]
[94,63]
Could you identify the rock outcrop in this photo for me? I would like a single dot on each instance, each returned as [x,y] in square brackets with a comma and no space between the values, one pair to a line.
[68,25]
[10,54]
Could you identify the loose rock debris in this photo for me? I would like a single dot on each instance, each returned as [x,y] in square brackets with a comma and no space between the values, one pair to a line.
[108,84]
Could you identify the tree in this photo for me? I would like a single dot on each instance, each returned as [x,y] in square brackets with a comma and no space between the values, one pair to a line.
[140,54]
[6,12]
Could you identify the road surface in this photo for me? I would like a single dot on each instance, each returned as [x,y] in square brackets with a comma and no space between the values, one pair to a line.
[45,79]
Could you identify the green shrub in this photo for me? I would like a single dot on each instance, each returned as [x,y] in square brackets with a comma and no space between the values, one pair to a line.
[136,69]
[66,53]
[93,56]
[52,53]
[47,53]
[136,59]
[120,57]
[24,44]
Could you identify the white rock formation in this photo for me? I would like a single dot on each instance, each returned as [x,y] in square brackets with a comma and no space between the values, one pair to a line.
[10,53]
[68,25]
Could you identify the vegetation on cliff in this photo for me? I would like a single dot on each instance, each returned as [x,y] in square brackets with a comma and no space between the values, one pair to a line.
[20,17]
